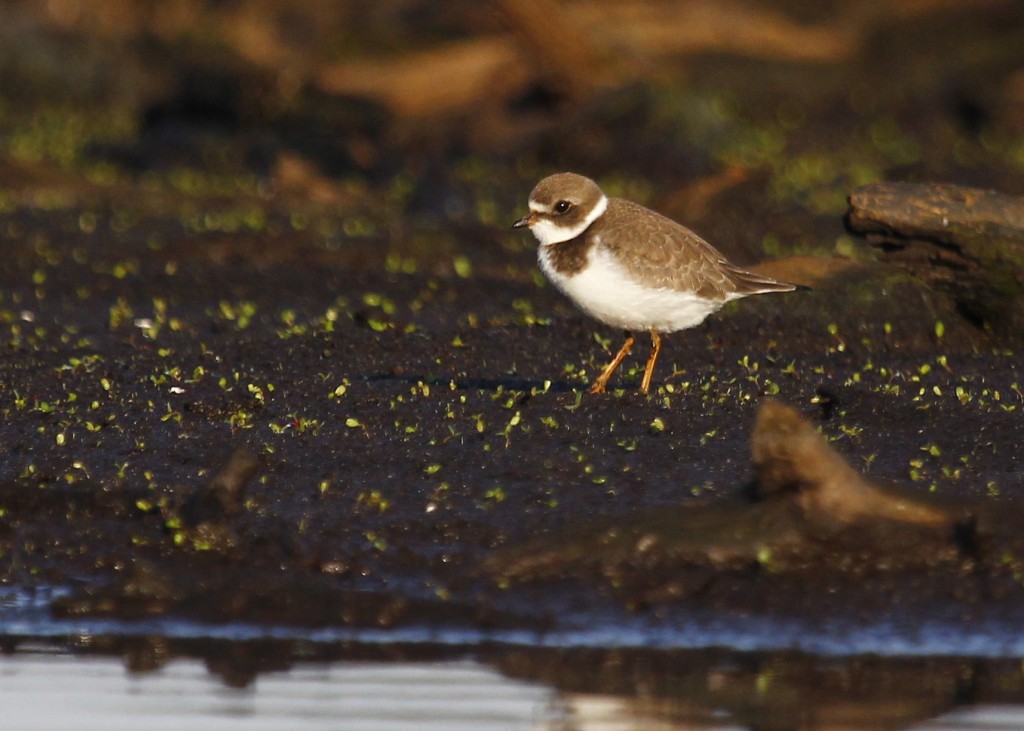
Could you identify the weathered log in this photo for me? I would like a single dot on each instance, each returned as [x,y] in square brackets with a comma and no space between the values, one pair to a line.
[948,214]
[811,512]
[791,456]
[206,517]
[965,240]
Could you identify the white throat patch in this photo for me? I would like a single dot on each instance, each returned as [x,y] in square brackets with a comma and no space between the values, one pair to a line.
[548,232]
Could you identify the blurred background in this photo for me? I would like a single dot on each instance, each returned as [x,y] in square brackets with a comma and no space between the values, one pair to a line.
[387,121]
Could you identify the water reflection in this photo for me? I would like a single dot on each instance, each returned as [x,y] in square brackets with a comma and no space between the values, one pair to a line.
[153,683]
[46,691]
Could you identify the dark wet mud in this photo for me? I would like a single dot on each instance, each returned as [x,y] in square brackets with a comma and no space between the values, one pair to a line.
[393,431]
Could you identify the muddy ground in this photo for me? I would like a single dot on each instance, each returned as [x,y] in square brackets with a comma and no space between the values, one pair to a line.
[413,425]
[406,398]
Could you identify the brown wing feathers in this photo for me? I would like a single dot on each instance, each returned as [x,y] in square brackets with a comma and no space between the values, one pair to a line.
[675,257]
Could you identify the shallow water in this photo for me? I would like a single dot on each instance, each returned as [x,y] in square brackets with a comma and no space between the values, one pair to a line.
[708,673]
[42,689]
[27,614]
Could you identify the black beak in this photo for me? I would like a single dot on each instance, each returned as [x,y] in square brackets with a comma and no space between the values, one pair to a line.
[524,222]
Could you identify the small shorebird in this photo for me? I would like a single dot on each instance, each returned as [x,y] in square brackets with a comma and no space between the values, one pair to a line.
[630,267]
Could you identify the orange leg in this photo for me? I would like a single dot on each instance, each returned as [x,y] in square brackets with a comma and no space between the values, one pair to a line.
[649,370]
[602,380]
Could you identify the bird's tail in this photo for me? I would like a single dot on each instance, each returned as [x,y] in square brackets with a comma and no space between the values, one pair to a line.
[748,282]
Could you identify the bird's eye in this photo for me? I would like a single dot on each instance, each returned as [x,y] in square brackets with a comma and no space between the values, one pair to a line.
[562,206]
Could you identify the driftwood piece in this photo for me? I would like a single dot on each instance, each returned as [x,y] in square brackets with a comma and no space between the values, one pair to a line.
[811,513]
[966,240]
[791,456]
[206,517]
[947,214]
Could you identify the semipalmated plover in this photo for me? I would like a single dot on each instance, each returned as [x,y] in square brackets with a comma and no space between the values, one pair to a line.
[630,267]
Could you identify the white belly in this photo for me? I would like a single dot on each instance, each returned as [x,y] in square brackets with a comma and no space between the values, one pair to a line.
[606,292]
